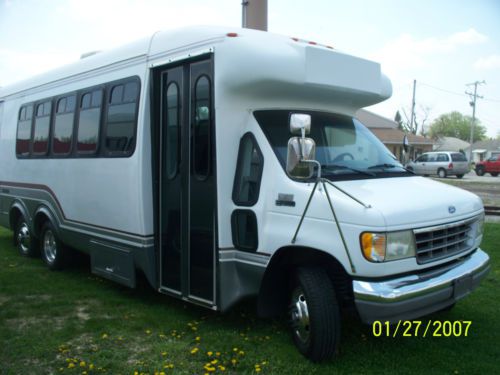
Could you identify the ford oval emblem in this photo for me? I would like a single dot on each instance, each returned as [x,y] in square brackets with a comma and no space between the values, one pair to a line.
[451,209]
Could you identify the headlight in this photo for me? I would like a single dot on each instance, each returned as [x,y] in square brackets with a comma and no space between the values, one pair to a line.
[382,247]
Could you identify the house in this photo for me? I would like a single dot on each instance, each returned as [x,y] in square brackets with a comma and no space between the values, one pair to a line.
[450,144]
[483,150]
[387,131]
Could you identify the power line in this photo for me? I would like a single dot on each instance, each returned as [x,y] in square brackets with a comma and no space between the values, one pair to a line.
[456,93]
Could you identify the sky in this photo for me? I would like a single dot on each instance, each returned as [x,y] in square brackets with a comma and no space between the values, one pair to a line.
[442,44]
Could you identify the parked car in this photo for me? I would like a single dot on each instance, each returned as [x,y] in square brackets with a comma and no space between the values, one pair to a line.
[442,163]
[491,166]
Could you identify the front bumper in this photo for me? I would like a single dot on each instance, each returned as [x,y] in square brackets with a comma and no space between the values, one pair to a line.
[413,296]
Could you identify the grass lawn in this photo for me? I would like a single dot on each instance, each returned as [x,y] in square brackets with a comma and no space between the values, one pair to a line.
[72,322]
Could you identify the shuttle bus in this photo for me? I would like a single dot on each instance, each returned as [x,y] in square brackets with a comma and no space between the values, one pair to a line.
[227,163]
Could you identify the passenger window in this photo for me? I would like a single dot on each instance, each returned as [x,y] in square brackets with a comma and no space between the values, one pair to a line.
[442,157]
[172,130]
[244,230]
[201,129]
[24,131]
[422,159]
[88,122]
[248,174]
[121,119]
[41,129]
[63,125]
[431,158]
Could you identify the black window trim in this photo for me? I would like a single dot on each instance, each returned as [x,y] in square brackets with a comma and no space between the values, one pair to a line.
[41,155]
[198,176]
[237,174]
[74,154]
[104,116]
[234,231]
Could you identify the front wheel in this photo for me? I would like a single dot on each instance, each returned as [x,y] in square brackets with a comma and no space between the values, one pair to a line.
[314,314]
[460,175]
[480,171]
[53,251]
[441,173]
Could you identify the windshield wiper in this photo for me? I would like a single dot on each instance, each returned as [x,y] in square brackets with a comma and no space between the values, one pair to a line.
[388,166]
[339,166]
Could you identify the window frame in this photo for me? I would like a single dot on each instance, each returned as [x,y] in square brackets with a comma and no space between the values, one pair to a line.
[196,174]
[234,230]
[26,105]
[172,176]
[41,155]
[81,94]
[239,170]
[104,116]
[56,100]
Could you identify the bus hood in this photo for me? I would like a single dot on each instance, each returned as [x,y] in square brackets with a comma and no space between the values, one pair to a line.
[412,201]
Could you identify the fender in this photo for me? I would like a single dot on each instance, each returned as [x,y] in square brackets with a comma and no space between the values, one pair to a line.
[42,213]
[21,207]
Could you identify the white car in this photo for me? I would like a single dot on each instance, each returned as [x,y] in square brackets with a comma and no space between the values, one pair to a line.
[442,163]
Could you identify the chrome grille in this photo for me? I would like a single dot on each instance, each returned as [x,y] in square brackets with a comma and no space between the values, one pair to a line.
[443,241]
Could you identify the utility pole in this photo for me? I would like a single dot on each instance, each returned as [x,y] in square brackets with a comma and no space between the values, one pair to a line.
[473,104]
[412,118]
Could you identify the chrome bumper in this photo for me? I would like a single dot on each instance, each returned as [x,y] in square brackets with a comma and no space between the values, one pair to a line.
[412,296]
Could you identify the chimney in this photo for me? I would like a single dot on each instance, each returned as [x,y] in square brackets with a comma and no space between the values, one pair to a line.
[254,14]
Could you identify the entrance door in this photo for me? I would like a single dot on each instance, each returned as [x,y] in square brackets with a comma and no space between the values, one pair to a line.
[186,181]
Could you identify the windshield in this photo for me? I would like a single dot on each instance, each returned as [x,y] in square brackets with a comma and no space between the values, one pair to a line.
[345,148]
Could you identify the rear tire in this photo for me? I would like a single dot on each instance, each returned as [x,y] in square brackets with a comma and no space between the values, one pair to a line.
[54,254]
[460,175]
[24,240]
[314,314]
[494,174]
[480,171]
[441,173]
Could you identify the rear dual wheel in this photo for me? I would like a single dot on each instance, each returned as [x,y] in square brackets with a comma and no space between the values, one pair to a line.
[314,314]
[54,254]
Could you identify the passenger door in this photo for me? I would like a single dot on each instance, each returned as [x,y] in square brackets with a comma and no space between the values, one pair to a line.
[186,191]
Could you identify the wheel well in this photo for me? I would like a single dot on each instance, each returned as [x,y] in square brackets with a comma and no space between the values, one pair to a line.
[15,214]
[40,219]
[276,283]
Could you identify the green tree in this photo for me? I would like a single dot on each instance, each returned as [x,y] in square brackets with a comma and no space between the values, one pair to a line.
[454,124]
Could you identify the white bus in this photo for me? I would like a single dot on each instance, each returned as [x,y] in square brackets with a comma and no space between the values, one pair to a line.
[185,156]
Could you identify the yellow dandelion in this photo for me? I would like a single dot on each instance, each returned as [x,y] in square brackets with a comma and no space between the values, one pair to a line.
[197,338]
[214,362]
[71,365]
[210,353]
[222,368]
[104,336]
[148,331]
[264,363]
[84,372]
[164,354]
[235,349]
[179,336]
[82,364]
[136,372]
[194,328]
[258,369]
[217,354]
[194,350]
[241,352]
[91,366]
[234,361]
[210,368]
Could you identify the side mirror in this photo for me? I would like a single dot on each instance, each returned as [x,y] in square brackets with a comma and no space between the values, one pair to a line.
[300,124]
[300,152]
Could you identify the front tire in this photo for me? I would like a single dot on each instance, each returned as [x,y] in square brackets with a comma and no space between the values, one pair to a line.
[460,176]
[480,171]
[24,240]
[494,174]
[441,173]
[314,314]
[53,250]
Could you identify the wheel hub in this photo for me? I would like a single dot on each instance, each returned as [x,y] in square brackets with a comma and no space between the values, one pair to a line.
[24,238]
[49,246]
[299,315]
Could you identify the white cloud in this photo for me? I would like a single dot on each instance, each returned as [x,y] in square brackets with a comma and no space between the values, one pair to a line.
[407,52]
[488,63]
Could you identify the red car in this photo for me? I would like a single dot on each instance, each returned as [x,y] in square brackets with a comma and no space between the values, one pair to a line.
[491,165]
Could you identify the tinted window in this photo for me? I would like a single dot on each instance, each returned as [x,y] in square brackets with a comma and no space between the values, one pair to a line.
[422,158]
[24,131]
[248,172]
[172,130]
[244,230]
[458,157]
[201,141]
[121,118]
[63,125]
[431,157]
[442,157]
[41,129]
[88,122]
